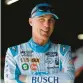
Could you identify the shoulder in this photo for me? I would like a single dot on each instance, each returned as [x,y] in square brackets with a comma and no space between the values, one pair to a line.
[62,48]
[14,50]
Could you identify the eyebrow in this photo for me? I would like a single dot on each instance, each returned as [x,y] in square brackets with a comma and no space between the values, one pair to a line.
[41,16]
[44,16]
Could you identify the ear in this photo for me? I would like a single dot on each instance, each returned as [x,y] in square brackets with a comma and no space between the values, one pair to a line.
[30,21]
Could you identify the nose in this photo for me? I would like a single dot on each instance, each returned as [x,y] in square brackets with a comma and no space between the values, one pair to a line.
[46,24]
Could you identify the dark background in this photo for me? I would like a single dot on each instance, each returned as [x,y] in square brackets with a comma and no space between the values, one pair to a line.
[16,30]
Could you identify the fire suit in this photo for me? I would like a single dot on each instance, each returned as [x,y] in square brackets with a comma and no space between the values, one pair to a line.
[37,61]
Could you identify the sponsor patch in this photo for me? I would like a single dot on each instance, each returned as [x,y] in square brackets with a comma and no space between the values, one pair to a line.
[63,49]
[33,66]
[51,54]
[45,79]
[24,59]
[25,66]
[41,73]
[26,53]
[35,60]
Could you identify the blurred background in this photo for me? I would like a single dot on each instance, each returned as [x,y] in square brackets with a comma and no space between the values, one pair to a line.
[68,30]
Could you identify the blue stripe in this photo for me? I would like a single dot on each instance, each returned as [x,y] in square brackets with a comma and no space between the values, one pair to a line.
[60,65]
[38,48]
[14,50]
[17,73]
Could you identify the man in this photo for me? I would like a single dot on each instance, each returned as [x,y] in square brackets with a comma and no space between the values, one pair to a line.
[39,60]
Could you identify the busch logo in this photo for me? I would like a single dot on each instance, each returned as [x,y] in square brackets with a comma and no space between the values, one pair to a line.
[45,79]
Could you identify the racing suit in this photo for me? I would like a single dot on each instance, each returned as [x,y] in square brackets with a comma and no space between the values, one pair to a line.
[33,60]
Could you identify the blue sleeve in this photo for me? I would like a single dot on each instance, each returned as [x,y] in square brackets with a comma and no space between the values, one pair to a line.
[11,70]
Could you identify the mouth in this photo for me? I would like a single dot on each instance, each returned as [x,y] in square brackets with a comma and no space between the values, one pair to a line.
[45,33]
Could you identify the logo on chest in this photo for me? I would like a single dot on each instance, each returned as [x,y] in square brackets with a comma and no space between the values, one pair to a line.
[28,59]
[33,66]
[26,53]
[52,60]
[25,66]
[30,63]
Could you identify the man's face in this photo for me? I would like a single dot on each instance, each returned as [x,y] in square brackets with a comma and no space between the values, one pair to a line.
[42,27]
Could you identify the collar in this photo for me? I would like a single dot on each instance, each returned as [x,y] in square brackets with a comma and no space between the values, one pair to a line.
[38,48]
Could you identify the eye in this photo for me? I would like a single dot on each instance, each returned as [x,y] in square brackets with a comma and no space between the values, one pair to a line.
[41,19]
[52,20]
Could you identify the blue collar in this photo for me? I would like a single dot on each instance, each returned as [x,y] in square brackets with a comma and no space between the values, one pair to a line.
[40,49]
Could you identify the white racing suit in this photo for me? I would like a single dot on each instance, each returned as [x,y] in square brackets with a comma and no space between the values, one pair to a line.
[51,63]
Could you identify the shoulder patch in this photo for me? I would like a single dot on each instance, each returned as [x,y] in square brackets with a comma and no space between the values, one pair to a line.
[14,50]
[63,49]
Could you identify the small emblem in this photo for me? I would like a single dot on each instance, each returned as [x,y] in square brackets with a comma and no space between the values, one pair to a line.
[33,66]
[25,66]
[24,59]
[35,60]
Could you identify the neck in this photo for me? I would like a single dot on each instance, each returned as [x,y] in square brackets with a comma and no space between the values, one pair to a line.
[39,41]
[40,48]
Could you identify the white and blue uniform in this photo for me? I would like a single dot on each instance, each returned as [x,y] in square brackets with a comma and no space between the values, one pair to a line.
[32,59]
